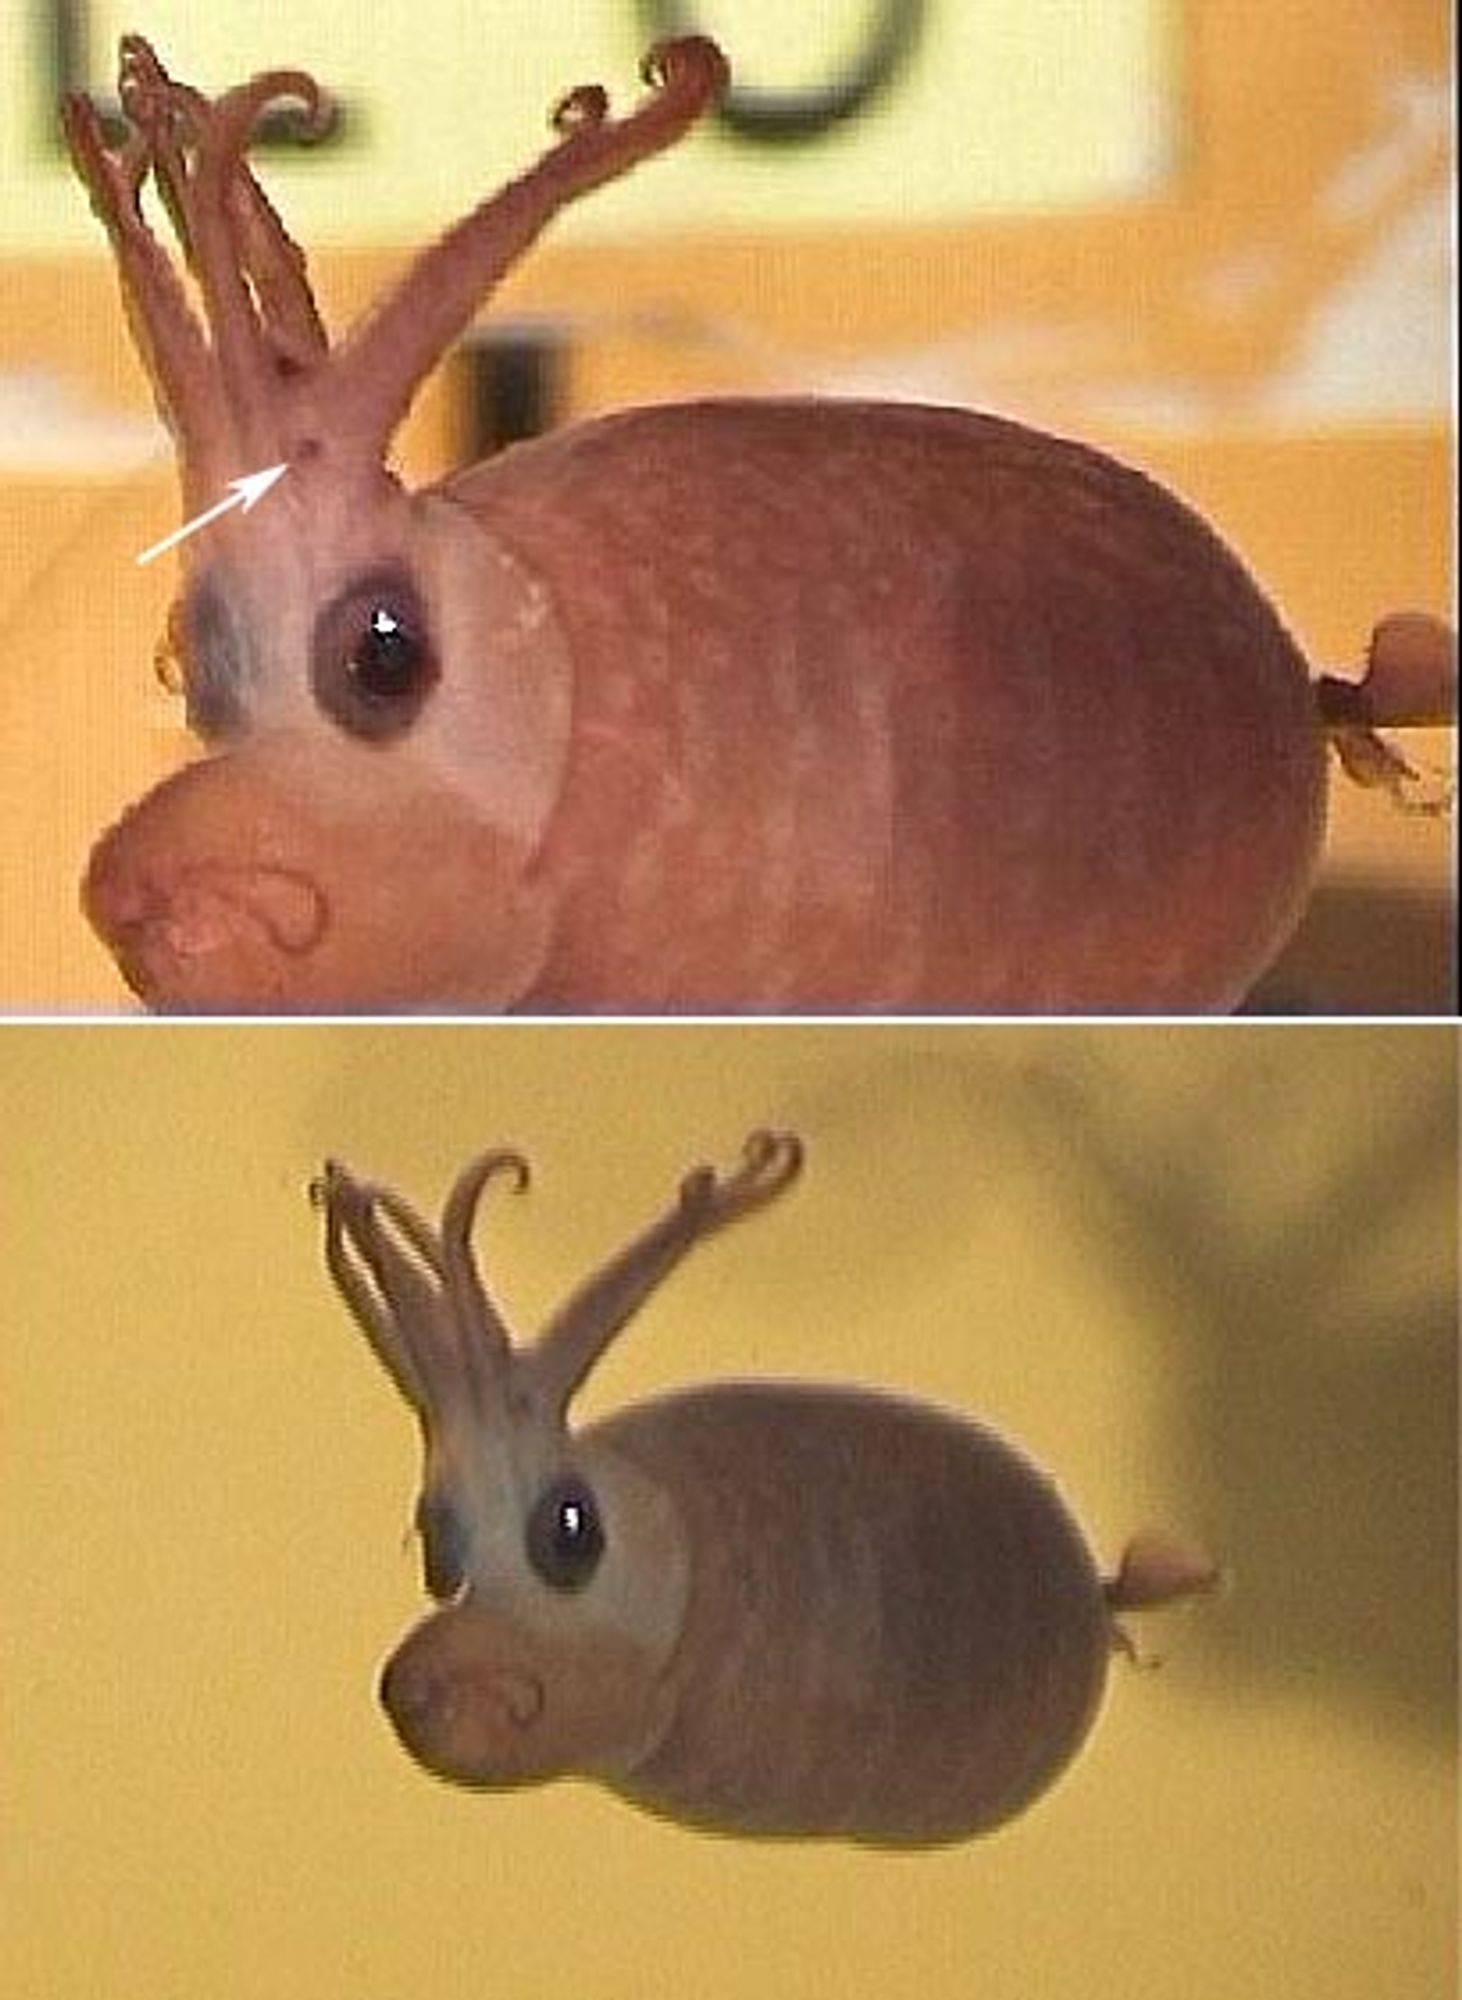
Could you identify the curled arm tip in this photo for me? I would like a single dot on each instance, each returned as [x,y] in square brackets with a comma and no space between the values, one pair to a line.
[585,104]
[770,1161]
[693,64]
[460,1213]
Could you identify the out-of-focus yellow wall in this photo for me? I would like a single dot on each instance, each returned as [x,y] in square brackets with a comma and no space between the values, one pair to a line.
[1215,239]
[1208,1277]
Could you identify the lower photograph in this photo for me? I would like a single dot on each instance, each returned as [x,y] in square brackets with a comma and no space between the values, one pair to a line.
[636,1510]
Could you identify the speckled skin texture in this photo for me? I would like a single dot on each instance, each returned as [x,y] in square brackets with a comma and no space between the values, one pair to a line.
[893,707]
[915,1654]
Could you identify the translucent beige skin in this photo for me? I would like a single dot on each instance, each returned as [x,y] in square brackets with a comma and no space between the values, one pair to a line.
[817,1610]
[736,706]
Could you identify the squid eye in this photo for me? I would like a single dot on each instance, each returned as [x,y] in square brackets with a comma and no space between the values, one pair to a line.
[389,656]
[372,662]
[565,1537]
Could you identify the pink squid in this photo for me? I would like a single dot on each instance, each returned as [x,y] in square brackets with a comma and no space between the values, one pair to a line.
[735,705]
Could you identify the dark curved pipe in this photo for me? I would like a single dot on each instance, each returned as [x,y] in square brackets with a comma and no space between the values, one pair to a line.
[796,117]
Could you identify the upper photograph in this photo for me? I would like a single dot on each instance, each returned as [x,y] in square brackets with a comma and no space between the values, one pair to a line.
[646,509]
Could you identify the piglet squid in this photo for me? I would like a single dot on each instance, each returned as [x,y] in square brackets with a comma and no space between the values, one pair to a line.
[745,705]
[754,1607]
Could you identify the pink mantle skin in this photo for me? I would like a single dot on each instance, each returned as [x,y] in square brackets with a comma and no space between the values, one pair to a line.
[729,706]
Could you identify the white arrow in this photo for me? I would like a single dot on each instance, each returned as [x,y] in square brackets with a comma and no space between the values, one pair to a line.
[243,493]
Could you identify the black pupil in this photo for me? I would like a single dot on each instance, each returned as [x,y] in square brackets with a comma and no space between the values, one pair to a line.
[565,1538]
[387,657]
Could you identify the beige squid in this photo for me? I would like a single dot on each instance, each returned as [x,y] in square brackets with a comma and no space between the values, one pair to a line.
[755,1607]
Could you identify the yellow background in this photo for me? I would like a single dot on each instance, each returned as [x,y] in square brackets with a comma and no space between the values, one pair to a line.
[1228,319]
[1070,103]
[1208,1277]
